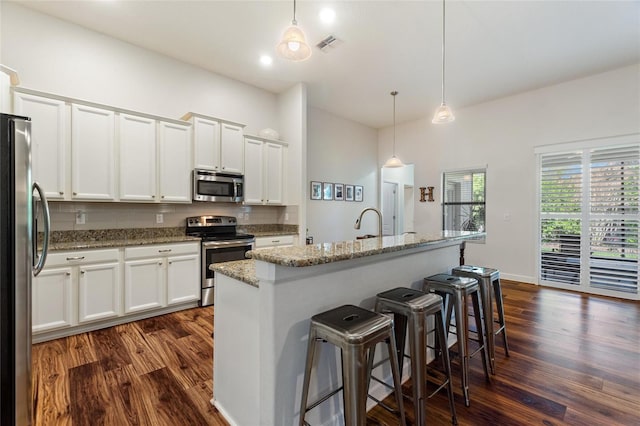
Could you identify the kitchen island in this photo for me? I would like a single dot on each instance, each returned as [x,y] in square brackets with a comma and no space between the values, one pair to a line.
[263,307]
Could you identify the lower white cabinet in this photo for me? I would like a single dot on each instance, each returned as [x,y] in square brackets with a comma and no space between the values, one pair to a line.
[274,241]
[158,276]
[89,289]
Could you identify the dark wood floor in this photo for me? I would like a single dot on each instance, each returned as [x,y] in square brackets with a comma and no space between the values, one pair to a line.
[575,359]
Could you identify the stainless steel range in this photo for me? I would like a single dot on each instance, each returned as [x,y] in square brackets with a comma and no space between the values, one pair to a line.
[220,243]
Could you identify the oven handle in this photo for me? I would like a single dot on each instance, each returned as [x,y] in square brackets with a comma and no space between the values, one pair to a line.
[220,244]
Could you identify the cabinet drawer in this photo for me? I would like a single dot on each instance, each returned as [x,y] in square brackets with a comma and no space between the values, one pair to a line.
[278,240]
[160,250]
[66,258]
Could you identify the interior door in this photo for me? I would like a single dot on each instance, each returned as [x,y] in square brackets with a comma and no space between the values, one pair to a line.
[389,208]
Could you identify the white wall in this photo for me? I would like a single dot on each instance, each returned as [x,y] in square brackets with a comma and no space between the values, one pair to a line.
[340,151]
[502,135]
[54,56]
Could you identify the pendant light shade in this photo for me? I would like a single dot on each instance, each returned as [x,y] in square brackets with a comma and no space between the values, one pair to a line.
[443,112]
[394,161]
[293,45]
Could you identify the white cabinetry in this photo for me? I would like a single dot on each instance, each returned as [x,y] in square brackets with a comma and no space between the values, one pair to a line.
[157,276]
[217,144]
[92,153]
[264,174]
[76,287]
[174,164]
[137,143]
[49,141]
[274,241]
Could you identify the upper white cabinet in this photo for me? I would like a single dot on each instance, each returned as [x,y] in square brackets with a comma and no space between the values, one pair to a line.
[174,164]
[217,144]
[137,143]
[83,151]
[93,153]
[49,141]
[264,171]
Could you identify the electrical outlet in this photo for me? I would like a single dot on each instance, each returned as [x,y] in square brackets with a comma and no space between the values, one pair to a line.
[239,216]
[81,218]
[246,216]
[159,218]
[286,216]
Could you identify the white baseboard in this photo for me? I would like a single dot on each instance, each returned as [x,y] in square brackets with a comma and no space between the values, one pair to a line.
[520,278]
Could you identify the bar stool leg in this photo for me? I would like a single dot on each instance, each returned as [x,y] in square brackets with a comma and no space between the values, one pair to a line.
[497,289]
[397,379]
[441,339]
[311,349]
[354,373]
[462,327]
[487,308]
[418,349]
[481,340]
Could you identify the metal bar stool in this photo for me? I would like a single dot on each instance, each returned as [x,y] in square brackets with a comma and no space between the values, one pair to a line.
[455,291]
[356,331]
[412,307]
[488,278]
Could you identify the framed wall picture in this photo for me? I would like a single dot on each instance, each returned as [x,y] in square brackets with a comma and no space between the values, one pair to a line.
[358,193]
[327,190]
[348,192]
[316,190]
[338,191]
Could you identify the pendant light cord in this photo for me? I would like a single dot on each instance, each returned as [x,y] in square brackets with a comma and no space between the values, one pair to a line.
[394,93]
[294,22]
[443,50]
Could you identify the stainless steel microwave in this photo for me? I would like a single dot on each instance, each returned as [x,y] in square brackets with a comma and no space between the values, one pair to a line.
[217,187]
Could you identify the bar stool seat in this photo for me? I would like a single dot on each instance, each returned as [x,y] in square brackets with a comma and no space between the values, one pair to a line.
[412,307]
[455,291]
[489,279]
[356,331]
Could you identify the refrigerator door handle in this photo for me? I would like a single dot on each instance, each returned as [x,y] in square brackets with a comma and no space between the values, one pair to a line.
[47,226]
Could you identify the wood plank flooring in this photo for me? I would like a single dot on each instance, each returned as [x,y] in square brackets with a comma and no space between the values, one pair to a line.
[575,360]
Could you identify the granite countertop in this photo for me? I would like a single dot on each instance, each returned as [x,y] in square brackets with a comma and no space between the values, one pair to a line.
[272,233]
[268,230]
[316,254]
[241,270]
[101,238]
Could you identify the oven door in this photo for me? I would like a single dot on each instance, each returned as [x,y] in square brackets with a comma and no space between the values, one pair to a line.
[217,252]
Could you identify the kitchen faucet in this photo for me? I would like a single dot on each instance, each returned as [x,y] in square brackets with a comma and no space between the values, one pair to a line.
[359,219]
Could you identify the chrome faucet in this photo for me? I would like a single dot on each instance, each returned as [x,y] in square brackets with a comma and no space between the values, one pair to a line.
[359,219]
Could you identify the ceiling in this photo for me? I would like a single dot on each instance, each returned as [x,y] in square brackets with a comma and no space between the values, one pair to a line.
[493,48]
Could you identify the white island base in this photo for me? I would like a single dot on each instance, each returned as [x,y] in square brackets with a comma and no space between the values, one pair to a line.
[261,328]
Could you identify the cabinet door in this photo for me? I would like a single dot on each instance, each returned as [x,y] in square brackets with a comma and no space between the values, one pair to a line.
[52,300]
[49,141]
[231,148]
[98,292]
[254,167]
[144,283]
[206,144]
[137,143]
[174,171]
[183,279]
[92,153]
[274,174]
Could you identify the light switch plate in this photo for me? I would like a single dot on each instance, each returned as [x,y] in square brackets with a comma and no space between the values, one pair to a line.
[159,218]
[81,218]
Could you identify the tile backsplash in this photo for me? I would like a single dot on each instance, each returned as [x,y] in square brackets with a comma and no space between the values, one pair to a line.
[138,215]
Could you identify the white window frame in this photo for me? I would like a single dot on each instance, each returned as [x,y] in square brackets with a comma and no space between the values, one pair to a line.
[477,169]
[608,142]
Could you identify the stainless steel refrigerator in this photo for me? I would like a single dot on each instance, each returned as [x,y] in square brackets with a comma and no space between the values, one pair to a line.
[21,203]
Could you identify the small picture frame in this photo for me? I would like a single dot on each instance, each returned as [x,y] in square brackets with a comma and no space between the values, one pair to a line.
[358,193]
[338,191]
[316,190]
[348,192]
[327,190]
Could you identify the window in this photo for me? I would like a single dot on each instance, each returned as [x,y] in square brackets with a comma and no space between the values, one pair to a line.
[589,209]
[463,206]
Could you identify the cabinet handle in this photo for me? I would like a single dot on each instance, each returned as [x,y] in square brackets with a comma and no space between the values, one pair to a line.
[275,241]
[162,196]
[153,196]
[82,272]
[170,263]
[75,258]
[75,193]
[61,193]
[224,167]
[68,273]
[164,251]
[159,263]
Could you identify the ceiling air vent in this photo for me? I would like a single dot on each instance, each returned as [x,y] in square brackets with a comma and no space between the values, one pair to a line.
[329,41]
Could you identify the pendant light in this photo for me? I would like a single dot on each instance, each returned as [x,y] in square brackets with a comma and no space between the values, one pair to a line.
[443,112]
[293,45]
[394,161]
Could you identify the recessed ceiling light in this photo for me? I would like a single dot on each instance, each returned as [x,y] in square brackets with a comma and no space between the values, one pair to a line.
[327,15]
[266,60]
